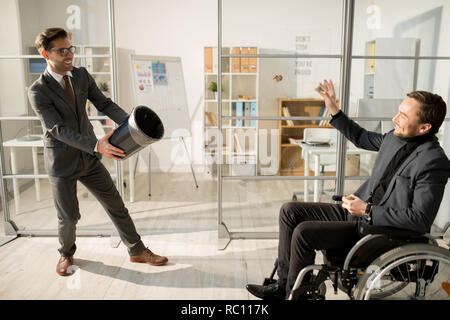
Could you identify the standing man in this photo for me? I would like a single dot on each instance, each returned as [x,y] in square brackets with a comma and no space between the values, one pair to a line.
[404,190]
[71,150]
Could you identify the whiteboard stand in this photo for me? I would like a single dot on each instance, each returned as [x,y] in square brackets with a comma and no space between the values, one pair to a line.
[158,83]
[190,162]
[150,166]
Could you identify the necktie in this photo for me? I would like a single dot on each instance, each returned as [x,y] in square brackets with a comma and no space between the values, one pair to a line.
[69,89]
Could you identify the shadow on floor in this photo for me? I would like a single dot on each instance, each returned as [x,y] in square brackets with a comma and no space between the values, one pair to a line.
[192,272]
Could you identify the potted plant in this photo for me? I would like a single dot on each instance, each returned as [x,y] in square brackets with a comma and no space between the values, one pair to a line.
[213,88]
[103,86]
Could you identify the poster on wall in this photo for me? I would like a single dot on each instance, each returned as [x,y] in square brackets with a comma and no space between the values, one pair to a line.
[159,74]
[143,75]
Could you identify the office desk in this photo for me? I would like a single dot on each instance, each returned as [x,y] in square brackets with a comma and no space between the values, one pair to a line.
[39,143]
[20,143]
[312,151]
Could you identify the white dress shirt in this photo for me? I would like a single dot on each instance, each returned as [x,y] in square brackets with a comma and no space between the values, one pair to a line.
[59,77]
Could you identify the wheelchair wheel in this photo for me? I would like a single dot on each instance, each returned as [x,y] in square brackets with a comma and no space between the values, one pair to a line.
[409,272]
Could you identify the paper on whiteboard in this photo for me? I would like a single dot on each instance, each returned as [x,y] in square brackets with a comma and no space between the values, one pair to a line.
[159,74]
[143,76]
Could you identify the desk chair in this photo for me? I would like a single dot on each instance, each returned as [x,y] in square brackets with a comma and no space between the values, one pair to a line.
[327,162]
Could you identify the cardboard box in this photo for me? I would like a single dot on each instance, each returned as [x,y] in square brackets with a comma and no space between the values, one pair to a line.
[244,61]
[243,166]
[245,170]
[208,60]
[252,61]
[212,119]
[215,56]
[352,165]
[236,62]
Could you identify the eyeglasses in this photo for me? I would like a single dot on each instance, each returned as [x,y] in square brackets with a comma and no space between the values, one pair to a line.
[65,51]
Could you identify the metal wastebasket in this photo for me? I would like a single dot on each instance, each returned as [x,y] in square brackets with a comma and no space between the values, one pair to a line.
[142,128]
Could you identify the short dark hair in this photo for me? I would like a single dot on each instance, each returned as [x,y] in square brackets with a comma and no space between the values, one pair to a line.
[432,110]
[44,38]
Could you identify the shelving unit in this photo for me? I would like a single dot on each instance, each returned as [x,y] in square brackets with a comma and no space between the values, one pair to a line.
[289,155]
[239,98]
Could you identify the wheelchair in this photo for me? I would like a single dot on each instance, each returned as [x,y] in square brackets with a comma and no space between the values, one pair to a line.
[386,263]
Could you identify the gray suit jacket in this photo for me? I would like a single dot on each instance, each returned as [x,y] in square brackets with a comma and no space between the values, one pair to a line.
[414,194]
[69,138]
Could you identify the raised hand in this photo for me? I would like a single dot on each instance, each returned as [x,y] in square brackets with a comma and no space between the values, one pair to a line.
[326,90]
[108,150]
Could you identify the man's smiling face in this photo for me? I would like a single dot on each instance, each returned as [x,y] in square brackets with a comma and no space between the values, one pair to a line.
[407,122]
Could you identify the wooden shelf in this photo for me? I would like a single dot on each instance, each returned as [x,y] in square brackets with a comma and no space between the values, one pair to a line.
[305,125]
[289,155]
[301,172]
[235,84]
[287,145]
[301,100]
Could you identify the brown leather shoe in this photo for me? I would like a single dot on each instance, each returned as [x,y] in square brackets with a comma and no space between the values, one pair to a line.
[149,257]
[63,265]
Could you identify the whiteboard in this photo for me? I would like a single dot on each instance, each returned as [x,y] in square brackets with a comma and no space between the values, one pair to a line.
[158,83]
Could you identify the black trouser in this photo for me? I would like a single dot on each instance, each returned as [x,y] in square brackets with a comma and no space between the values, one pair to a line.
[306,227]
[98,181]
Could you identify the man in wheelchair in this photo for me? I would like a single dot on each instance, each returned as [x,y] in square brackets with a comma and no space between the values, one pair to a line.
[403,193]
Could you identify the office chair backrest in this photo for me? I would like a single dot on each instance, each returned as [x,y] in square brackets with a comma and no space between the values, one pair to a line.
[326,160]
[320,133]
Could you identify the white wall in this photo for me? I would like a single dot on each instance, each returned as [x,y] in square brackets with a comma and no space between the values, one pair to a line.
[13,101]
[13,98]
[408,19]
[41,14]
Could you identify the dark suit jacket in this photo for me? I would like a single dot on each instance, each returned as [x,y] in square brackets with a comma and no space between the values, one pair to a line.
[69,138]
[414,194]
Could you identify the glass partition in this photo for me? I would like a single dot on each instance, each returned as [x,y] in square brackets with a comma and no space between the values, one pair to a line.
[278,145]
[392,54]
[28,192]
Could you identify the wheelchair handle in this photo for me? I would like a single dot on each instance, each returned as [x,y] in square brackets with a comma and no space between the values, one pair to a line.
[336,198]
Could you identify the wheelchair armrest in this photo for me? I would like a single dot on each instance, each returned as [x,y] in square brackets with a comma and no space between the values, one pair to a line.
[391,232]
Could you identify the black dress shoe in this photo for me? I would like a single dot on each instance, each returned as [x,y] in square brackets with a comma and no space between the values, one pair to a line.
[272,291]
